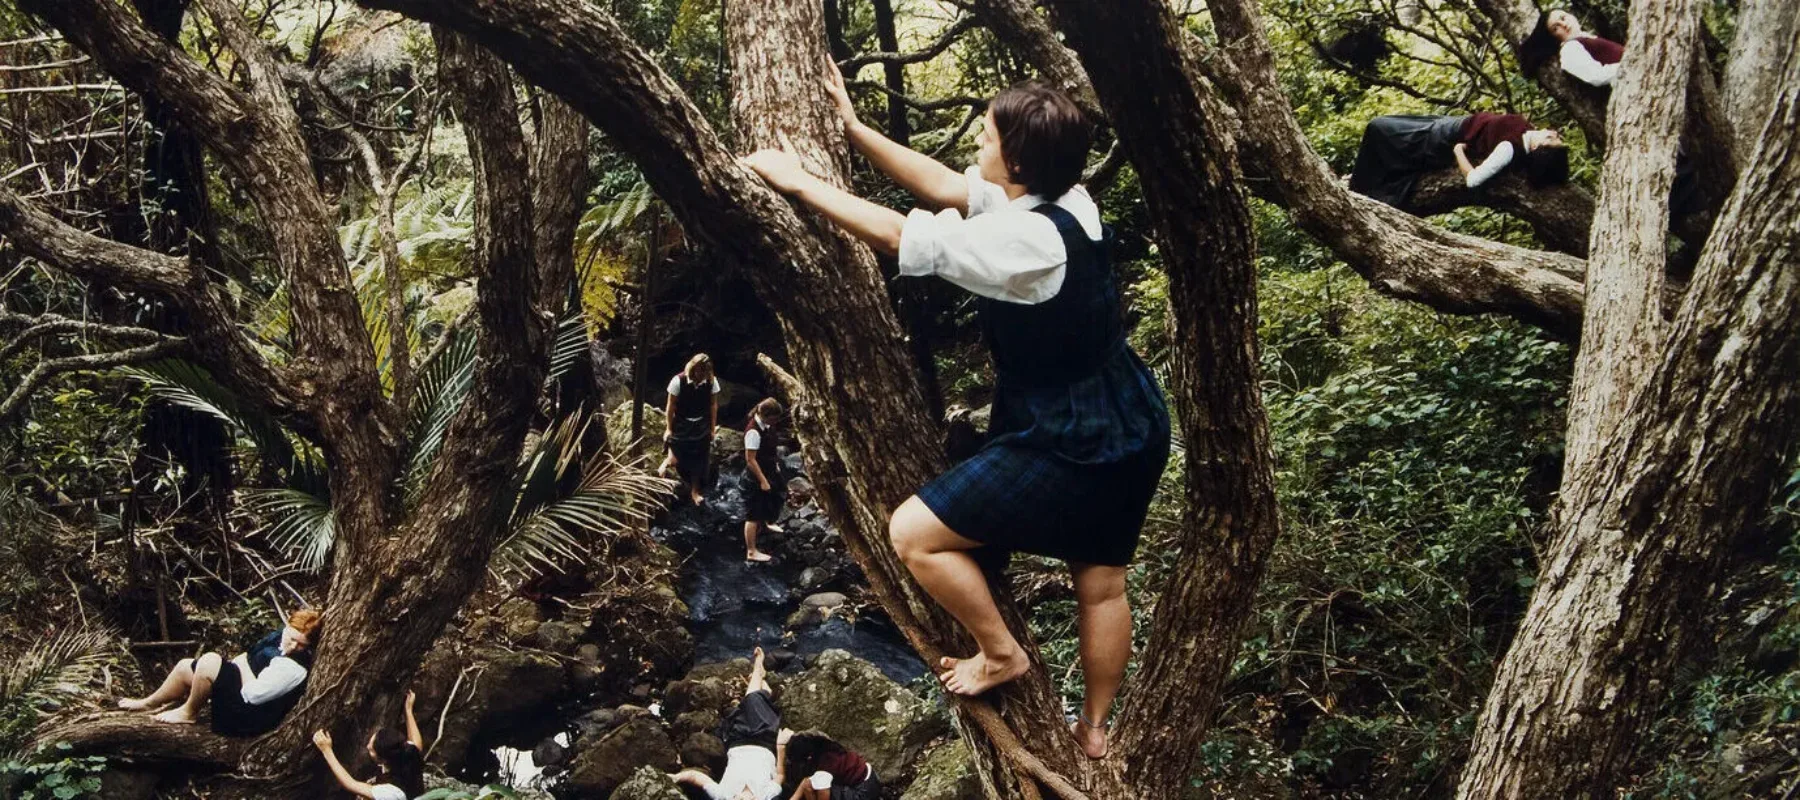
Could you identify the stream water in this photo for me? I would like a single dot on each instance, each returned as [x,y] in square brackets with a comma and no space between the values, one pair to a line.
[735,606]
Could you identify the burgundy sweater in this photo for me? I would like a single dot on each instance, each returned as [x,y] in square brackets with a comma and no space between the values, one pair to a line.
[1484,131]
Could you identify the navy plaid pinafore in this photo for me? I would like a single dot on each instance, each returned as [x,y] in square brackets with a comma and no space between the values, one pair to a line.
[1080,433]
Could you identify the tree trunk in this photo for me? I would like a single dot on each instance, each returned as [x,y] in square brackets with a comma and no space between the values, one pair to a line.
[1623,322]
[1169,127]
[1752,78]
[1623,599]
[774,49]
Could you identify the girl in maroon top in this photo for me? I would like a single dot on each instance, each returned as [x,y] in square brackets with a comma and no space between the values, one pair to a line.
[1589,58]
[1397,150]
[828,770]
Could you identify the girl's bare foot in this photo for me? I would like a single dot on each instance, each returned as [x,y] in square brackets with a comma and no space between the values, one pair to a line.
[134,705]
[1092,738]
[773,528]
[176,716]
[697,497]
[757,556]
[972,676]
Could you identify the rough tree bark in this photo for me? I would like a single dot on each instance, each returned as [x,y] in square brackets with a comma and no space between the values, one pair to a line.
[397,577]
[1622,321]
[1399,254]
[1752,76]
[1171,130]
[1623,598]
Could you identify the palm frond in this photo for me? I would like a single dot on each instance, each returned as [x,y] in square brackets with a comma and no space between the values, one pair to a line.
[570,346]
[443,385]
[550,532]
[301,525]
[60,666]
[190,386]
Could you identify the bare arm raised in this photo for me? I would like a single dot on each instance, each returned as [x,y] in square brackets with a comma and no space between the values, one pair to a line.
[932,182]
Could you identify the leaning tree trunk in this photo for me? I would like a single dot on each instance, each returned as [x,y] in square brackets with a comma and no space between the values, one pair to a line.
[857,398]
[1170,128]
[1689,472]
[776,50]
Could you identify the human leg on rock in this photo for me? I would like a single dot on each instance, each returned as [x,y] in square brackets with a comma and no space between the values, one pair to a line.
[939,558]
[205,671]
[1104,623]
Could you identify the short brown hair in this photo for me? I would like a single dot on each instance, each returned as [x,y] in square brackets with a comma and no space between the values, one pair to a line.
[770,410]
[307,622]
[1044,137]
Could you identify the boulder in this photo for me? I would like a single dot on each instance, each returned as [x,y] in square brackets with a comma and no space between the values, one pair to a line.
[603,765]
[946,773]
[705,694]
[648,784]
[556,637]
[596,722]
[727,442]
[853,702]
[692,722]
[618,427]
[520,617]
[816,608]
[703,751]
[549,753]
[800,491]
[506,703]
[641,627]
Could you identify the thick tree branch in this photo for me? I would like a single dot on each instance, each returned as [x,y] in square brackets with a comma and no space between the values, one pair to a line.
[256,135]
[223,348]
[47,369]
[1399,254]
[1017,24]
[560,184]
[139,738]
[1559,215]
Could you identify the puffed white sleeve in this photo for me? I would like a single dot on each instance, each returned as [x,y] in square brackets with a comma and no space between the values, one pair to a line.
[1577,61]
[1015,256]
[1490,166]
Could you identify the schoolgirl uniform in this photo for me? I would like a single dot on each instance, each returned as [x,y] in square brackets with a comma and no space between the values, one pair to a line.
[1397,149]
[1079,433]
[258,688]
[846,776]
[1591,59]
[691,431]
[761,506]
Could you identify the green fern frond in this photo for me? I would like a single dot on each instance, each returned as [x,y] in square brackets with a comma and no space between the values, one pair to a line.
[301,525]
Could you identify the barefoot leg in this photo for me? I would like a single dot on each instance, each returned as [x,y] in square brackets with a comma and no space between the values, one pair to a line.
[939,558]
[173,688]
[750,551]
[759,675]
[206,670]
[1104,620]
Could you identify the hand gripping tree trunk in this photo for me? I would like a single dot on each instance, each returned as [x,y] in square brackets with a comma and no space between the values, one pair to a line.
[1690,467]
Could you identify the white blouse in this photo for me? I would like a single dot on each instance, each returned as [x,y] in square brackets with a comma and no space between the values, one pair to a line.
[1490,166]
[1577,61]
[1002,250]
[281,676]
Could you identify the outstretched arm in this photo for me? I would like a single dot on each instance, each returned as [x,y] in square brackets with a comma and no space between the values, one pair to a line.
[933,183]
[322,740]
[877,226]
[412,724]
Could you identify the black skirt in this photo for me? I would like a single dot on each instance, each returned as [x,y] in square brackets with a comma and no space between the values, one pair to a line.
[868,789]
[231,716]
[693,459]
[755,721]
[1396,150]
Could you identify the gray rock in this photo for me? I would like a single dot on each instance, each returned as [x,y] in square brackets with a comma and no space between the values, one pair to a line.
[515,690]
[692,722]
[813,577]
[816,608]
[946,773]
[597,722]
[647,783]
[852,701]
[588,654]
[557,637]
[618,427]
[549,753]
[520,617]
[606,764]
[800,490]
[727,442]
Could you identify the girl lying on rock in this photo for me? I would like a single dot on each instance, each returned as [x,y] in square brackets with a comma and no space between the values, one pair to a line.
[754,746]
[833,771]
[249,694]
